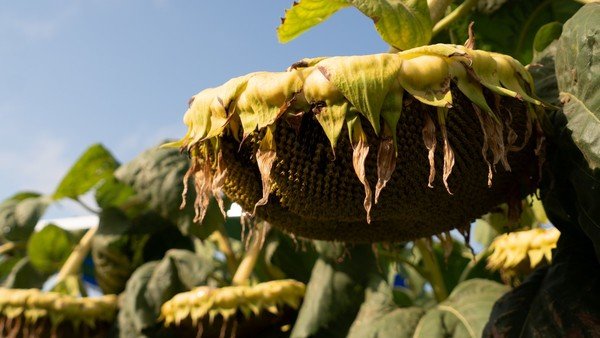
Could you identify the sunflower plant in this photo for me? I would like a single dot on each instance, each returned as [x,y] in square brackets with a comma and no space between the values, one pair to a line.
[445,187]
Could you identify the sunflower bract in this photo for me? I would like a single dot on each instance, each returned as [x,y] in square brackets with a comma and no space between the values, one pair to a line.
[384,147]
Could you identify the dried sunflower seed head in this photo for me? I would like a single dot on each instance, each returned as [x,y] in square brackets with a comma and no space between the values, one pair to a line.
[213,309]
[42,312]
[411,120]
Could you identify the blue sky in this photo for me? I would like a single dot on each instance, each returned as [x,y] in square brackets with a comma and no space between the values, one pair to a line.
[119,72]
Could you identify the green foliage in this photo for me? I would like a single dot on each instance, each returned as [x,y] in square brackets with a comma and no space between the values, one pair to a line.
[49,248]
[19,215]
[122,244]
[156,177]
[403,24]
[512,28]
[545,35]
[94,165]
[24,276]
[464,313]
[577,67]
[147,248]
[544,75]
[155,282]
[285,259]
[334,293]
[114,193]
[306,14]
[379,316]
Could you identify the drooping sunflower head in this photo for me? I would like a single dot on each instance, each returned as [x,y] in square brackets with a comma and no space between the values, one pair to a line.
[237,309]
[46,314]
[518,253]
[384,147]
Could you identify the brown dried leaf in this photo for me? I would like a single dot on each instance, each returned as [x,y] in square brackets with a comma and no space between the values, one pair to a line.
[202,184]
[430,142]
[359,156]
[448,152]
[218,182]
[265,157]
[386,164]
[485,147]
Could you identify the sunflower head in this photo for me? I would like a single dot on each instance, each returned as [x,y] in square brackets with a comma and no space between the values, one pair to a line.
[384,147]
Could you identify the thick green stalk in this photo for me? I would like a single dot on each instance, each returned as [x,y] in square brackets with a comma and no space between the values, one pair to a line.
[437,9]
[247,264]
[433,271]
[222,239]
[72,265]
[456,14]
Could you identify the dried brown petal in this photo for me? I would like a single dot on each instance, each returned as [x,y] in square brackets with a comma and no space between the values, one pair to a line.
[430,142]
[265,157]
[485,147]
[359,156]
[386,164]
[218,182]
[448,152]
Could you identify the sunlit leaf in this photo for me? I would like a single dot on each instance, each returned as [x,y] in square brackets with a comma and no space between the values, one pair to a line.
[49,248]
[577,69]
[306,14]
[465,312]
[94,165]
[403,24]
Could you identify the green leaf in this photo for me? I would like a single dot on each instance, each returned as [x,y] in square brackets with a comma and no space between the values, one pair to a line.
[25,276]
[380,317]
[543,72]
[156,282]
[94,165]
[49,248]
[404,24]
[113,193]
[512,28]
[546,34]
[156,176]
[577,69]
[484,233]
[7,264]
[123,244]
[465,312]
[334,293]
[20,214]
[282,254]
[306,14]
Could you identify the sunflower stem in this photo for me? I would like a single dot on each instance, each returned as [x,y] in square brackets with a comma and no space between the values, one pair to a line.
[437,9]
[433,271]
[73,263]
[225,247]
[456,14]
[9,246]
[247,264]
